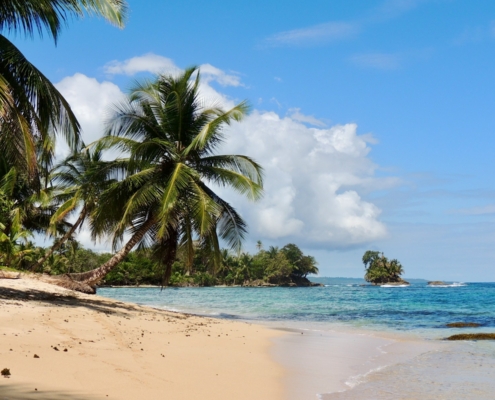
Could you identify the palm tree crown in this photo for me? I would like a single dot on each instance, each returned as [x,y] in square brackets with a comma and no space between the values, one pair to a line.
[168,195]
[31,108]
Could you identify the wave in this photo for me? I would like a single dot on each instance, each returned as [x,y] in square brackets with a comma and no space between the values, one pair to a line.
[455,284]
[355,380]
[394,285]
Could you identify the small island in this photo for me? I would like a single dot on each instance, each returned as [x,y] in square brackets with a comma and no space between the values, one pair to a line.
[382,271]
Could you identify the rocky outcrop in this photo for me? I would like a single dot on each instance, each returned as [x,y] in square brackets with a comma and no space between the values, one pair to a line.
[436,283]
[304,282]
[398,283]
[463,325]
[472,336]
[258,283]
[293,282]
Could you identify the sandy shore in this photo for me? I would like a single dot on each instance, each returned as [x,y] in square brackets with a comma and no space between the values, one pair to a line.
[60,345]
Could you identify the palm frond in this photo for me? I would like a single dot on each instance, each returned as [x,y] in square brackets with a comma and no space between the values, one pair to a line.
[211,131]
[37,16]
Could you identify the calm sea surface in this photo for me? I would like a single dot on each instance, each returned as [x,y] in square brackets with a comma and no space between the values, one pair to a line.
[461,370]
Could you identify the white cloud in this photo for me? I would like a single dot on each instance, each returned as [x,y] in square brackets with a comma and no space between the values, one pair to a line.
[156,64]
[91,101]
[297,115]
[322,33]
[150,62]
[308,175]
[211,73]
[377,60]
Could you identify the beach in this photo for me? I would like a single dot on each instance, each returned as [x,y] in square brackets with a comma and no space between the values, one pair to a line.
[59,344]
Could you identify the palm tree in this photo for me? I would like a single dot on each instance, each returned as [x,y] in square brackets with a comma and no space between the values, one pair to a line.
[33,208]
[11,242]
[380,270]
[168,194]
[80,179]
[31,108]
[273,251]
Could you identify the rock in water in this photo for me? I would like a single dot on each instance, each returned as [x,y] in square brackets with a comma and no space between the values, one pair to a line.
[473,336]
[463,325]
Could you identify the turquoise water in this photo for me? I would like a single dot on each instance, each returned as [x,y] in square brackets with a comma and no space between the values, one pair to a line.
[416,309]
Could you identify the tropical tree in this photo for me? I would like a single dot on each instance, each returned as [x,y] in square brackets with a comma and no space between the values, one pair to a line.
[31,108]
[380,270]
[370,256]
[13,241]
[302,265]
[168,196]
[32,205]
[79,181]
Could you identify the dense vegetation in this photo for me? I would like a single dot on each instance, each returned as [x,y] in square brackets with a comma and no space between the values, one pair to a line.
[287,266]
[380,270]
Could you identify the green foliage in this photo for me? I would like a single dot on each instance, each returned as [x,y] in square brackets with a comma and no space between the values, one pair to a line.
[380,270]
[204,279]
[145,267]
[32,110]
[302,265]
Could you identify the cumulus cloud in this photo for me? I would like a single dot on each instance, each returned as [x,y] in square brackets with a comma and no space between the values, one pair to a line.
[312,181]
[322,33]
[157,64]
[150,62]
[315,176]
[91,101]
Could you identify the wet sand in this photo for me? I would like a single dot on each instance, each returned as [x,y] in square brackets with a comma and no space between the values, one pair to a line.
[320,363]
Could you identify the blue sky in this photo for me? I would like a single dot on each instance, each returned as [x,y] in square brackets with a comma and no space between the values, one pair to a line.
[386,105]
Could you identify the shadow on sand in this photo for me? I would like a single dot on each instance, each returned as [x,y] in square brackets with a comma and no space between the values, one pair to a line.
[24,392]
[109,307]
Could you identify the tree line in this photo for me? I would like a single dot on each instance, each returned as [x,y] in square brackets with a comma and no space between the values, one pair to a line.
[286,266]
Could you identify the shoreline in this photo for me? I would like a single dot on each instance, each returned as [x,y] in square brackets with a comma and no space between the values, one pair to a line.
[92,348]
[128,351]
[321,363]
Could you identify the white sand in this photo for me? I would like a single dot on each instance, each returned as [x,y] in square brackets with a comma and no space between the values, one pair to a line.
[122,351]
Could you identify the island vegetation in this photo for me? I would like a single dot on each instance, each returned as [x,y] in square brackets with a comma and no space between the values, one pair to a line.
[380,270]
[286,266]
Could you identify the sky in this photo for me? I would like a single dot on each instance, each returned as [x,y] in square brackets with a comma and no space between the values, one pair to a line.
[374,120]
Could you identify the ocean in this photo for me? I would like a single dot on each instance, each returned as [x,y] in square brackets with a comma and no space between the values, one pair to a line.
[444,370]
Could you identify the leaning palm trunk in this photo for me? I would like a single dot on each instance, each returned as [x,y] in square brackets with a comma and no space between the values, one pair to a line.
[64,238]
[170,255]
[95,275]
